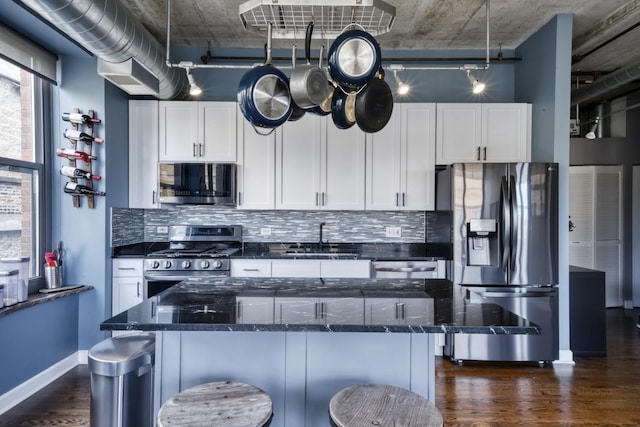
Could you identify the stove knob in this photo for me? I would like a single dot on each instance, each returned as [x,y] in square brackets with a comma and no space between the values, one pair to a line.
[155,264]
[217,264]
[167,265]
[204,264]
[186,264]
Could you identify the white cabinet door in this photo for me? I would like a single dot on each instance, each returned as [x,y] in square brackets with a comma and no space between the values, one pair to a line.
[342,168]
[298,163]
[179,131]
[459,133]
[398,311]
[250,268]
[417,163]
[345,268]
[295,268]
[400,160]
[197,131]
[218,131]
[297,310]
[258,310]
[127,292]
[499,132]
[256,168]
[342,311]
[127,284]
[505,132]
[143,154]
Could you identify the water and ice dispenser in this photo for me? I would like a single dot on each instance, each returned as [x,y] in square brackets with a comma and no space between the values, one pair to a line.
[482,242]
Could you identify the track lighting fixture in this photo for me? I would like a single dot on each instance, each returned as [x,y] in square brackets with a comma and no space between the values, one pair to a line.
[476,85]
[194,89]
[592,133]
[403,88]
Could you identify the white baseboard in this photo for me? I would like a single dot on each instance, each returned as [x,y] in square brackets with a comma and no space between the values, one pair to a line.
[564,358]
[41,380]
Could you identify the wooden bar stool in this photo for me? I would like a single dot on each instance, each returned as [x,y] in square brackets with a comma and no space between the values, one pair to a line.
[225,403]
[367,405]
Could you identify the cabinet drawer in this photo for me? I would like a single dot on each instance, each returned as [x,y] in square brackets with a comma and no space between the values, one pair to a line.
[250,268]
[124,267]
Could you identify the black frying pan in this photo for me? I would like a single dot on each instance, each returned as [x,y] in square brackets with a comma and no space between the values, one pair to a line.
[374,106]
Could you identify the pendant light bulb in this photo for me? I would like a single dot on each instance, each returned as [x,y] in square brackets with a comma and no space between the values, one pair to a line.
[403,88]
[592,133]
[476,85]
[194,89]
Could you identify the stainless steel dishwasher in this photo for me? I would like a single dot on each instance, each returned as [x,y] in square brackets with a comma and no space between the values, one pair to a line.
[435,269]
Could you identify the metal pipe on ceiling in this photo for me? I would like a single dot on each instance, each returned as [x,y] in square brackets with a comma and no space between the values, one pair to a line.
[108,30]
[605,84]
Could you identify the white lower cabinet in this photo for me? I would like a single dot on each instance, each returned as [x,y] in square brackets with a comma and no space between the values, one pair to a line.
[319,311]
[295,268]
[254,309]
[334,268]
[127,284]
[398,311]
[343,268]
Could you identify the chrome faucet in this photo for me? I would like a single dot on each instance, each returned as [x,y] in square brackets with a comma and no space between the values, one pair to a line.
[321,240]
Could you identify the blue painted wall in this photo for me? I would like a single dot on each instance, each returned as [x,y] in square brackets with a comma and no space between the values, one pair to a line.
[544,79]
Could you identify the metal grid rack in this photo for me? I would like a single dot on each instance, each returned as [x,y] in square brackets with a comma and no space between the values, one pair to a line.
[330,17]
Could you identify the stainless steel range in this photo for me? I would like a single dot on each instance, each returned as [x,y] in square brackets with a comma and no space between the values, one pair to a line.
[193,251]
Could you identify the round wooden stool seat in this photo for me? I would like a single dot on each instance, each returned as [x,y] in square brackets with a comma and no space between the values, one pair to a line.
[225,403]
[368,405]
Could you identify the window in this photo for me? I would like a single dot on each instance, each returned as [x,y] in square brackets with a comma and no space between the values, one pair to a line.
[21,165]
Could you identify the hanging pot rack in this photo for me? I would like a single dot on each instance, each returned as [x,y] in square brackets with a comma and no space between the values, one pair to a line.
[330,17]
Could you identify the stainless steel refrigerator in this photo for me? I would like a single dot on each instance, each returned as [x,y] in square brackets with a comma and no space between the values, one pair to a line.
[504,220]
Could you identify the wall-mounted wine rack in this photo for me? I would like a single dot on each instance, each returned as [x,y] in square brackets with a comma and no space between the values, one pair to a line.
[83,145]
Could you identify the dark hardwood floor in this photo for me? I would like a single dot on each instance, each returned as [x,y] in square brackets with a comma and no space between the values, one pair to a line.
[594,392]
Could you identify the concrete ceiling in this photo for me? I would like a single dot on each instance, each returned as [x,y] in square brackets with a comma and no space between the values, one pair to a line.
[605,33]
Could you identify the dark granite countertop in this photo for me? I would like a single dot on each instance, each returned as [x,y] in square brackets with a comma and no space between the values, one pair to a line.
[41,298]
[294,250]
[221,304]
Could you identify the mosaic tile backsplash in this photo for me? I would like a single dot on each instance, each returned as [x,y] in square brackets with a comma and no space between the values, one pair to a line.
[285,226]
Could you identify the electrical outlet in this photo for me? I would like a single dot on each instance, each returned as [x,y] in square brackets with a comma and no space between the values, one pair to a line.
[265,231]
[162,229]
[393,232]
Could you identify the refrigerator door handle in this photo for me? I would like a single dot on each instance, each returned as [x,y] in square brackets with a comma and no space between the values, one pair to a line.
[514,222]
[506,224]
[495,294]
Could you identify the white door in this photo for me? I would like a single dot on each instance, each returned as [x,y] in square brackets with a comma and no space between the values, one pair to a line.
[127,292]
[217,131]
[417,167]
[343,161]
[343,311]
[179,132]
[383,165]
[297,310]
[256,168]
[258,310]
[143,154]
[298,163]
[505,136]
[458,133]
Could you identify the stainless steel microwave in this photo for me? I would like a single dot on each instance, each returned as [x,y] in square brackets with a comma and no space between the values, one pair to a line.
[197,183]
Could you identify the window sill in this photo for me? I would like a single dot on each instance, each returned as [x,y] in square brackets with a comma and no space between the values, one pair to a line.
[40,298]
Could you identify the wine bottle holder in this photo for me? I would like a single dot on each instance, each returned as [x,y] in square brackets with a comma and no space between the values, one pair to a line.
[86,146]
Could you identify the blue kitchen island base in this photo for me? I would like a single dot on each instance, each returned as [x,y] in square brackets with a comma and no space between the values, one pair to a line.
[300,371]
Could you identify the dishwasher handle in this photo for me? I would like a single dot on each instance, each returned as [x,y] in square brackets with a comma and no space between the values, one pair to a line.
[405,269]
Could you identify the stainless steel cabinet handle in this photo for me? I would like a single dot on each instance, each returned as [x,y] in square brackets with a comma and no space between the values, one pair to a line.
[478,153]
[239,198]
[153,197]
[403,194]
[250,269]
[194,150]
[399,310]
[239,310]
[201,150]
[397,199]
[485,153]
[323,310]
[322,198]
[317,198]
[316,310]
[138,290]
[402,316]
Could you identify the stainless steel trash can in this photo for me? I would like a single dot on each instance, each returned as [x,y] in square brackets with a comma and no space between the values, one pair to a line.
[122,381]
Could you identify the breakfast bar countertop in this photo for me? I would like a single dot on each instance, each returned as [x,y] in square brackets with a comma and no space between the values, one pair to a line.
[322,305]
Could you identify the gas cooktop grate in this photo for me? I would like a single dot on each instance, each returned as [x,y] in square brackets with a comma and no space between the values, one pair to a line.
[330,17]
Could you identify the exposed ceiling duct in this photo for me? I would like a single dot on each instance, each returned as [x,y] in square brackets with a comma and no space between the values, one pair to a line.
[108,30]
[606,84]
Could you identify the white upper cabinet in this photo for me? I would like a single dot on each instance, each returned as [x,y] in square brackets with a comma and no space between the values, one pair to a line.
[498,132]
[400,164]
[198,131]
[143,154]
[256,168]
[319,166]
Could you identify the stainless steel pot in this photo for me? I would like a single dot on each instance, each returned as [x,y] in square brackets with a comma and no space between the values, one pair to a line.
[308,83]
